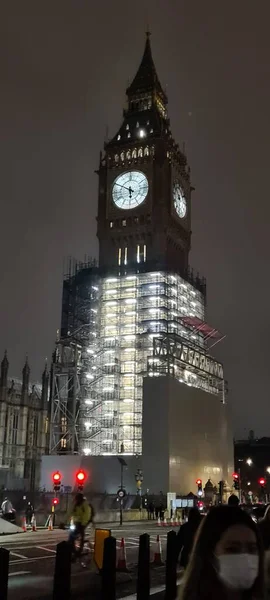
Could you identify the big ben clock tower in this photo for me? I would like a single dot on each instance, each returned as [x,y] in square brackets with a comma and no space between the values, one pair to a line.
[144,210]
[139,313]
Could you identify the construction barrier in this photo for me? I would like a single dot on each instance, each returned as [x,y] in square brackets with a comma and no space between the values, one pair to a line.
[122,557]
[158,553]
[24,526]
[34,523]
[100,536]
[50,523]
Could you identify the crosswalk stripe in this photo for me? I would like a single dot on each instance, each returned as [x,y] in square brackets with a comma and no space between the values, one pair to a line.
[47,549]
[18,555]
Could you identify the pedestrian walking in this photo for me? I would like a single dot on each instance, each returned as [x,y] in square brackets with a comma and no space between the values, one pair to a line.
[82,516]
[233,500]
[186,535]
[264,528]
[150,511]
[29,513]
[227,562]
[7,509]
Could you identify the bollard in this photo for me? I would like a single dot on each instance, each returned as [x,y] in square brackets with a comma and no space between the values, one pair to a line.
[171,566]
[143,580]
[62,571]
[108,571]
[4,567]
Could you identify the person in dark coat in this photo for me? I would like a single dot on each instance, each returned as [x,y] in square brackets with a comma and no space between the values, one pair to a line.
[186,535]
[264,527]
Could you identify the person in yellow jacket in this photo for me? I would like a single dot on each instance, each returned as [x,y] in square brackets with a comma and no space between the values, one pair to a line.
[81,516]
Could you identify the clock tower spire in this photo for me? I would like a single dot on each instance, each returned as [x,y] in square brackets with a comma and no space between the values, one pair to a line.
[144,184]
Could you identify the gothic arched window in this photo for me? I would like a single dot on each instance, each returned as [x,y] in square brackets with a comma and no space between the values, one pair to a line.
[153,150]
[146,151]
[127,126]
[128,134]
[140,152]
[119,136]
[116,158]
[128,155]
[134,153]
[122,156]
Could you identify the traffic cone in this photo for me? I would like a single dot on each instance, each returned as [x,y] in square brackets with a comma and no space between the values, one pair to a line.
[34,523]
[24,526]
[159,522]
[157,553]
[50,523]
[164,522]
[122,559]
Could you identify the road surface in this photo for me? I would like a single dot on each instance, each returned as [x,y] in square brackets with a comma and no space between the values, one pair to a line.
[32,557]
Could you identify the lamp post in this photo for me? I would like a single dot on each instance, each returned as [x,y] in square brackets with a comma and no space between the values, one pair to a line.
[139,480]
[121,492]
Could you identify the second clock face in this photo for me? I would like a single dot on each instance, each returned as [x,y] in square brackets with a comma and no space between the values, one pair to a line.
[129,189]
[180,203]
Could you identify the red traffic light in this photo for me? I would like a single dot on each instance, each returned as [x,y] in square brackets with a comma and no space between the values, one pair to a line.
[56,477]
[198,481]
[55,501]
[235,475]
[80,476]
[262,481]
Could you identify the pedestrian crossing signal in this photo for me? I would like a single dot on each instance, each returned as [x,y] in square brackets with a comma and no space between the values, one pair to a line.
[57,477]
[80,478]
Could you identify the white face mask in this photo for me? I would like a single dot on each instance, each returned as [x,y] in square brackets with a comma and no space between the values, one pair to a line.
[238,571]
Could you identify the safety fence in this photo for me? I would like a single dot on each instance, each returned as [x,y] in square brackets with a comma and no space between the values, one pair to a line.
[108,570]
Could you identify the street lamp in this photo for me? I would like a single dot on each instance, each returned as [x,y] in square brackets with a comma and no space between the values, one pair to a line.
[268,470]
[249,462]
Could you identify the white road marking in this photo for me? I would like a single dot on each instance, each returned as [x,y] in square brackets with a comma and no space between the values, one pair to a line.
[15,562]
[19,573]
[47,549]
[18,555]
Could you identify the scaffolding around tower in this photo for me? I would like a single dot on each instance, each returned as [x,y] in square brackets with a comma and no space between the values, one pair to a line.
[116,329]
[69,382]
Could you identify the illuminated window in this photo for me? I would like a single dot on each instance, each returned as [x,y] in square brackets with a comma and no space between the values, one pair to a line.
[119,255]
[125,256]
[137,124]
[119,136]
[148,123]
[142,133]
[124,223]
[134,153]
[128,155]
[146,151]
[111,224]
[153,150]
[116,158]
[151,130]
[128,134]
[140,152]
[122,156]
[63,443]
[127,127]
[141,253]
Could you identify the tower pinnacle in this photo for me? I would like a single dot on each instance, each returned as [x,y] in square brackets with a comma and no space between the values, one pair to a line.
[146,79]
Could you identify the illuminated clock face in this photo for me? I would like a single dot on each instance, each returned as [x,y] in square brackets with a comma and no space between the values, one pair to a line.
[180,203]
[130,189]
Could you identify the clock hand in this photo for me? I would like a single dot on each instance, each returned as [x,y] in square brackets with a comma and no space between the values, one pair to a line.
[124,186]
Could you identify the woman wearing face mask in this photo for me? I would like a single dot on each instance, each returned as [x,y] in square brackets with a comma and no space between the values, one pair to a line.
[227,559]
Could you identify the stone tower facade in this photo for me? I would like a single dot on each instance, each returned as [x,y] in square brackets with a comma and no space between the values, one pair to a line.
[23,427]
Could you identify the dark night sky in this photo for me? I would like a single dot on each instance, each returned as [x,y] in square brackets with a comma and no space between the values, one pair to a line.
[64,68]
